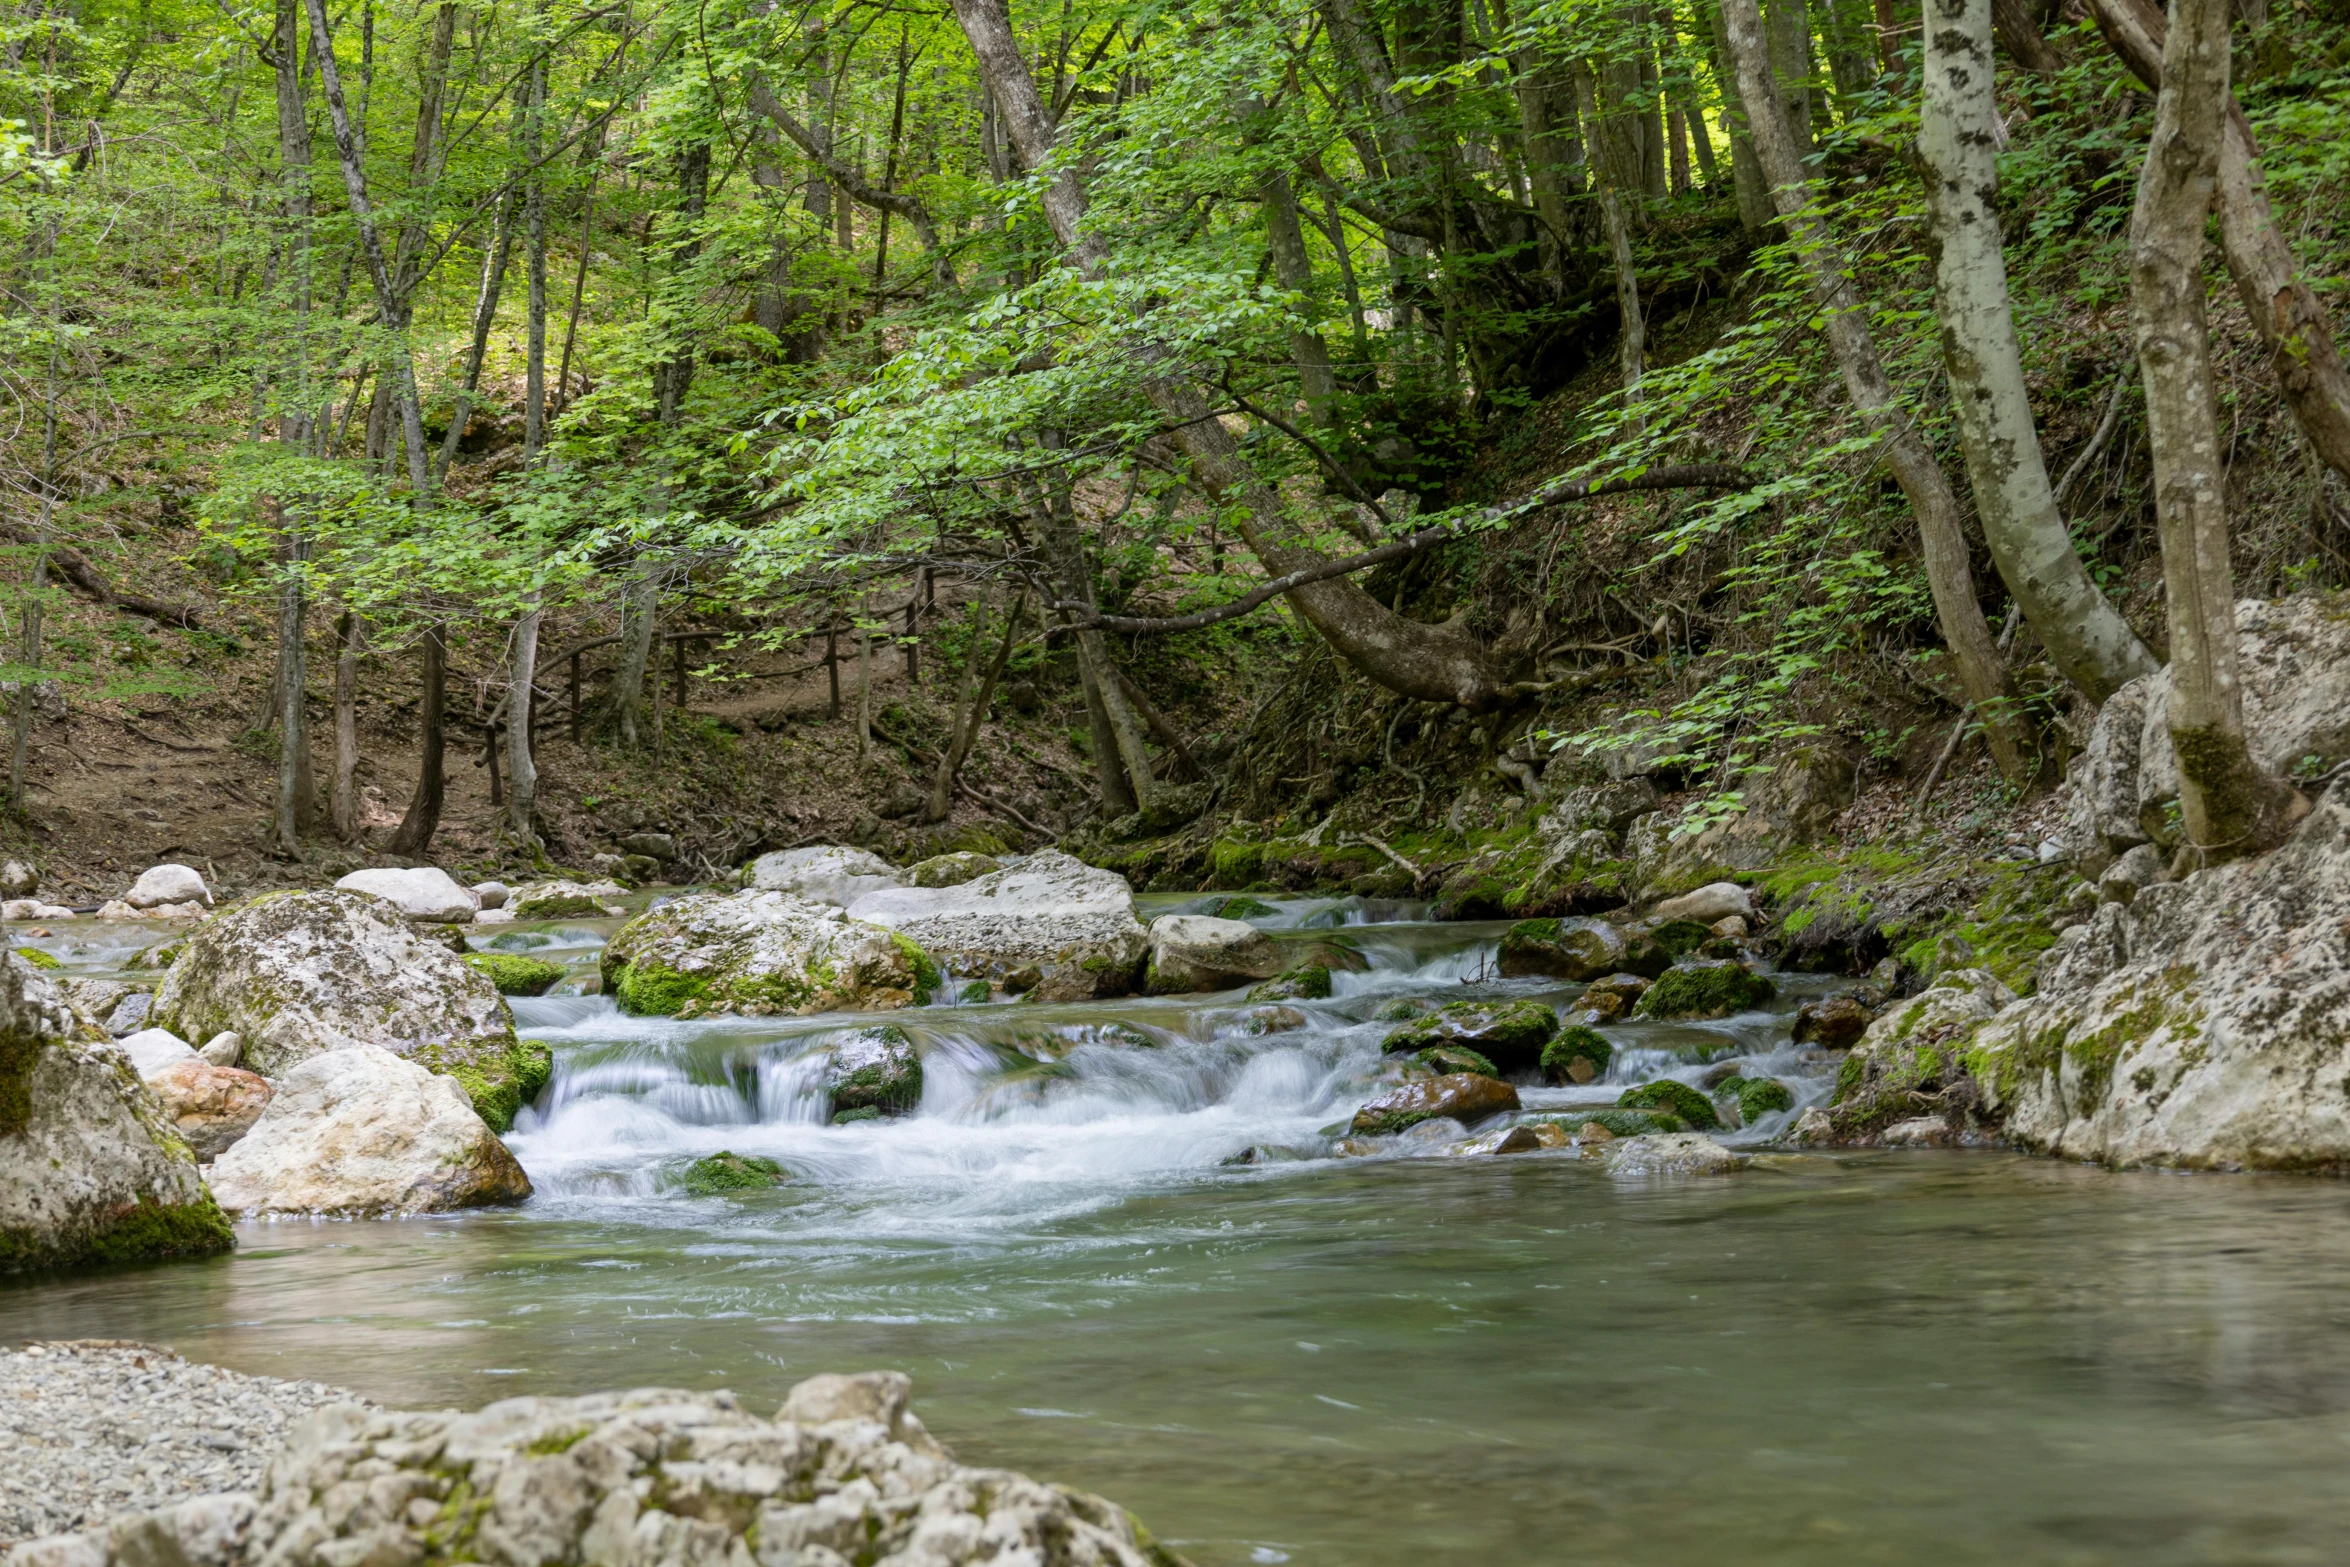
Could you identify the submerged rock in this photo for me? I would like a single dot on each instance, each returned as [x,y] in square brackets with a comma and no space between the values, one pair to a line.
[728,1171]
[1668,1153]
[361,1131]
[90,1168]
[1073,923]
[1195,952]
[1306,982]
[649,1478]
[829,873]
[1707,988]
[760,954]
[1461,1096]
[299,974]
[1511,1032]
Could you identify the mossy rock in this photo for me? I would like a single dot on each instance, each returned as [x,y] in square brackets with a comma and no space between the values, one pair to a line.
[145,1232]
[1244,908]
[1674,1098]
[1401,1010]
[1705,990]
[1306,982]
[727,1171]
[500,1077]
[517,976]
[1511,1032]
[1455,1058]
[37,958]
[851,1117]
[1679,938]
[1579,1054]
[875,1069]
[1756,1096]
[1622,1123]
[951,870]
[1234,863]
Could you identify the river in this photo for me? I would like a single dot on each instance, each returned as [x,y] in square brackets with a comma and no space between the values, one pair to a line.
[1917,1357]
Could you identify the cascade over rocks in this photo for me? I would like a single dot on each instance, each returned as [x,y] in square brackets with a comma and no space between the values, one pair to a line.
[2204,1023]
[361,1131]
[2294,672]
[760,954]
[652,1477]
[90,1168]
[1075,924]
[299,974]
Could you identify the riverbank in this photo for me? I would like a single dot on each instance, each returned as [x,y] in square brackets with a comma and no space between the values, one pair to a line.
[90,1428]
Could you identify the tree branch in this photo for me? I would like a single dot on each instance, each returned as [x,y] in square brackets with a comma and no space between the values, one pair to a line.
[848,179]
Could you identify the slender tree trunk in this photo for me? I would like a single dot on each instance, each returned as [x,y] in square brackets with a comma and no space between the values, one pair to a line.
[2231,808]
[485,314]
[973,711]
[1433,663]
[388,303]
[534,224]
[638,601]
[523,786]
[1632,337]
[864,698]
[1981,670]
[293,775]
[1788,24]
[28,684]
[1286,239]
[293,140]
[346,780]
[2293,325]
[2084,634]
[416,829]
[1755,208]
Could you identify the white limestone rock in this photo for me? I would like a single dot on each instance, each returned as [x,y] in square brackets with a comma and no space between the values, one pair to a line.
[1715,901]
[1071,921]
[361,1131]
[829,873]
[759,954]
[425,893]
[1194,952]
[173,884]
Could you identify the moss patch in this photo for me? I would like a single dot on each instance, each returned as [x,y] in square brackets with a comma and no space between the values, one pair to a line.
[37,958]
[499,1076]
[649,990]
[1704,990]
[1455,1058]
[516,976]
[926,976]
[1756,1096]
[1580,1054]
[727,1171]
[1673,1098]
[1512,1032]
[144,1233]
[1306,982]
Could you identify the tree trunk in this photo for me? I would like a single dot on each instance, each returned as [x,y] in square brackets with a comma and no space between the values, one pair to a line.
[416,828]
[2087,638]
[1755,208]
[2231,808]
[974,710]
[485,314]
[293,140]
[523,786]
[1632,336]
[2292,324]
[1789,25]
[534,225]
[864,698]
[1286,239]
[638,600]
[293,773]
[388,304]
[1431,663]
[1982,672]
[346,795]
[2019,34]
[1117,731]
[674,375]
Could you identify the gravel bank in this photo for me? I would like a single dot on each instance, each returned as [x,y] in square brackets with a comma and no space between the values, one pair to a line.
[90,1428]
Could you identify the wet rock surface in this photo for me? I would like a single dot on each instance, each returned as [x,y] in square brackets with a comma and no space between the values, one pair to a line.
[758,954]
[1072,922]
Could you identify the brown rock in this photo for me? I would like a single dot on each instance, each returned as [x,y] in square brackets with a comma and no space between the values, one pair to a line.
[211,1106]
[1463,1096]
[1837,1022]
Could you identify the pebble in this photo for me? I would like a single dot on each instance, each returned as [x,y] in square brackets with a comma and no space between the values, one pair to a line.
[90,1428]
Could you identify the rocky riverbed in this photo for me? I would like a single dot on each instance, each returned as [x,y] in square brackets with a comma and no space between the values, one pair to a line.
[92,1428]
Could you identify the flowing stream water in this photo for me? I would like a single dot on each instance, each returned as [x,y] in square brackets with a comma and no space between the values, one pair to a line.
[1891,1358]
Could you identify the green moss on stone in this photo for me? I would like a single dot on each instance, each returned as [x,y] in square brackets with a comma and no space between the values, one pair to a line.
[1306,982]
[499,1076]
[1703,990]
[146,1233]
[926,976]
[1756,1096]
[560,906]
[1681,937]
[861,1113]
[1455,1058]
[647,989]
[516,976]
[1244,909]
[1575,1043]
[1675,1098]
[727,1171]
[37,958]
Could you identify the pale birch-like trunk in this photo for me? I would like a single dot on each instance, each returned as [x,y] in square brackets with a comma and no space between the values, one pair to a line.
[2230,807]
[1958,138]
[346,779]
[522,785]
[1982,672]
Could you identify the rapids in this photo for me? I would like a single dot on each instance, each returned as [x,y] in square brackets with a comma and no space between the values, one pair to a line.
[1905,1358]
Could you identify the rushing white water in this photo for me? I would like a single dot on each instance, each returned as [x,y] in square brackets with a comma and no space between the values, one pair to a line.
[1032,1109]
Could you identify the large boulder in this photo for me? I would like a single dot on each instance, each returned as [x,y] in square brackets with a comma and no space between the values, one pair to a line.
[1577,949]
[362,1131]
[90,1168]
[1073,923]
[565,900]
[2205,1023]
[1911,1061]
[300,973]
[649,1478]
[826,874]
[1192,952]
[161,886]
[2293,668]
[760,954]
[1714,901]
[425,893]
[1511,1034]
[211,1106]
